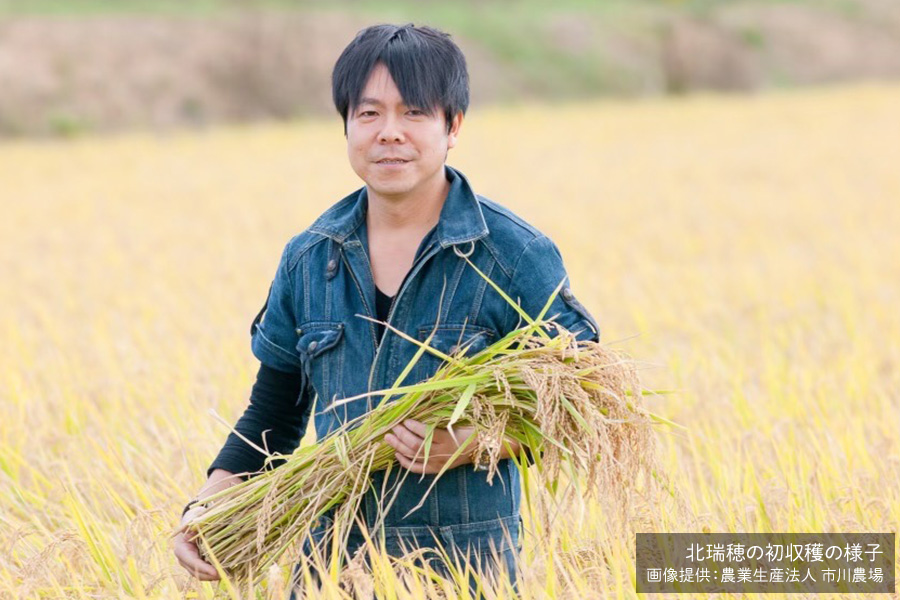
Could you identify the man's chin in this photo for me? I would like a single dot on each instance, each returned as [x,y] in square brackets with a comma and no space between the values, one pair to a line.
[388,191]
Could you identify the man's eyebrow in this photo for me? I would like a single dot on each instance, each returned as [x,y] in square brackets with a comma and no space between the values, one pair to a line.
[372,101]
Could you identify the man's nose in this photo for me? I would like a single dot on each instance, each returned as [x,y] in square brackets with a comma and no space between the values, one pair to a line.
[392,131]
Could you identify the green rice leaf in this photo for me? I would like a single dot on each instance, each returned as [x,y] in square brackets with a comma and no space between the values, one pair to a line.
[462,404]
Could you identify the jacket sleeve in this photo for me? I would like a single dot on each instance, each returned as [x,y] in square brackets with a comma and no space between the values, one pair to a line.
[275,414]
[274,330]
[537,274]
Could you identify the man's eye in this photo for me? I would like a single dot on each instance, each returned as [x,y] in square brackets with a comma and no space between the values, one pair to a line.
[367,113]
[416,111]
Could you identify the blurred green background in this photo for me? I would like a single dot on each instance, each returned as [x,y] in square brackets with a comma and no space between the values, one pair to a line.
[73,66]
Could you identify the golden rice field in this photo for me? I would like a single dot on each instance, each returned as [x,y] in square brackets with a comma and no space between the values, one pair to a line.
[748,248]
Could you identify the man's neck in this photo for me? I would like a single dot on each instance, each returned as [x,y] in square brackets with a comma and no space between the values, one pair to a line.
[419,210]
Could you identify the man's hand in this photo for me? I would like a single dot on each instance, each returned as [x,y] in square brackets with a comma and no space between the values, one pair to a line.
[187,552]
[408,441]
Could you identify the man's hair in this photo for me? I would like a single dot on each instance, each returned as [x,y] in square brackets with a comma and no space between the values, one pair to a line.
[428,68]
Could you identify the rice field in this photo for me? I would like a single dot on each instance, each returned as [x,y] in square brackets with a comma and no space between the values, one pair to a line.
[745,248]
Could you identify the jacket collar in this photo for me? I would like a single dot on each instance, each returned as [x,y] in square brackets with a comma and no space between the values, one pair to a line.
[461,217]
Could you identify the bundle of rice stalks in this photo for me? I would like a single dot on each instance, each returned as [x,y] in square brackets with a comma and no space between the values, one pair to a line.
[574,403]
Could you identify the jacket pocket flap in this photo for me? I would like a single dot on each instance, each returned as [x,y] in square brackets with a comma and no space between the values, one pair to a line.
[319,337]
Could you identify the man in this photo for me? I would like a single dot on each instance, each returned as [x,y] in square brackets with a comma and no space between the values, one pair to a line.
[396,250]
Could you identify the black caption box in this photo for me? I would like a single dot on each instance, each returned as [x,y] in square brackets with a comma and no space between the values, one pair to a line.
[859,563]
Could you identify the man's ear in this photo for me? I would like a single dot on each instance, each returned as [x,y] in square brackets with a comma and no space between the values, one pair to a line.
[455,125]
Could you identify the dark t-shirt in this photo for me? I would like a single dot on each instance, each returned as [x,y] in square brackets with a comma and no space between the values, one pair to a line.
[382,308]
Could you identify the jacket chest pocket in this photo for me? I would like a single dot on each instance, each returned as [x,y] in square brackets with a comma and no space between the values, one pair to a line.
[452,340]
[321,351]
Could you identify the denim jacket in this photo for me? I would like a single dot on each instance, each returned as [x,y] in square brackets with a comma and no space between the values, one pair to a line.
[310,326]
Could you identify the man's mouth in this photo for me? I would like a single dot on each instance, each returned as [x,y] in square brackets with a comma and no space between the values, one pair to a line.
[392,161]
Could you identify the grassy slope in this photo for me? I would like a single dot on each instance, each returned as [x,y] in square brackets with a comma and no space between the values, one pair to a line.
[515,36]
[561,50]
[195,7]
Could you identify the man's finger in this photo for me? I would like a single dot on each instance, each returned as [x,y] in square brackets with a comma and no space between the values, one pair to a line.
[409,438]
[417,427]
[190,559]
[189,552]
[415,467]
[399,447]
[197,573]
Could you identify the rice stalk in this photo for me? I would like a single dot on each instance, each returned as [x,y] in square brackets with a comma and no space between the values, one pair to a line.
[575,404]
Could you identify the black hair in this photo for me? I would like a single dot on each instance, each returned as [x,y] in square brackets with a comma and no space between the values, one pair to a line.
[428,68]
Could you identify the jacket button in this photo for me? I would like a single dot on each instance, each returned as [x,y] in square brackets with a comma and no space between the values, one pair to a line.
[453,349]
[567,294]
[332,265]
[312,345]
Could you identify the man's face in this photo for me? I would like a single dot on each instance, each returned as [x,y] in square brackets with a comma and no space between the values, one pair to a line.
[382,127]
